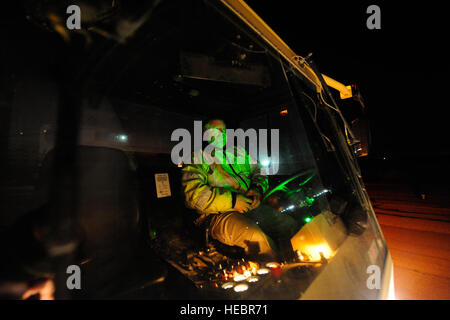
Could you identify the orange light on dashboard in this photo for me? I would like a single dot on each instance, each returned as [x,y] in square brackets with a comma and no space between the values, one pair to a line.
[272,265]
[239,277]
[227,285]
[283,112]
[241,287]
[316,251]
[263,271]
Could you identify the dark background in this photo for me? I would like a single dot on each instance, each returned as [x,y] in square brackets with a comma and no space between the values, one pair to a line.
[400,70]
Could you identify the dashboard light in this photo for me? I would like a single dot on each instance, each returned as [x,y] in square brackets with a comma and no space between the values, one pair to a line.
[253,279]
[315,251]
[302,256]
[263,271]
[291,207]
[241,287]
[309,201]
[227,285]
[239,277]
[272,265]
[253,267]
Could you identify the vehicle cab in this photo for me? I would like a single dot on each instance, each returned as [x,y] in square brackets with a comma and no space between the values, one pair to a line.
[91,171]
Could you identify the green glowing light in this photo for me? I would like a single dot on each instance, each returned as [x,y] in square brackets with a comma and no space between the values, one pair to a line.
[307,219]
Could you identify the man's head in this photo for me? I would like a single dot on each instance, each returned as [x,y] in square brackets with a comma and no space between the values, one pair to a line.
[217,124]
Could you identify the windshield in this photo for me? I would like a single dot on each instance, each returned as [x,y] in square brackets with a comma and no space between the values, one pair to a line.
[149,100]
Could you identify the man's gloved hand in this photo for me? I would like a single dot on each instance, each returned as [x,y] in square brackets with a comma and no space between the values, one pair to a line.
[257,196]
[243,204]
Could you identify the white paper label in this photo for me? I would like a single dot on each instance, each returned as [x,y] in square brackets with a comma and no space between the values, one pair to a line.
[162,185]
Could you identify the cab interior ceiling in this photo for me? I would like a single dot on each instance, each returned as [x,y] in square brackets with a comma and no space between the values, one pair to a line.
[190,59]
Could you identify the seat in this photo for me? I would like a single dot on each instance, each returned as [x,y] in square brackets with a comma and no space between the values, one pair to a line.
[167,217]
[115,260]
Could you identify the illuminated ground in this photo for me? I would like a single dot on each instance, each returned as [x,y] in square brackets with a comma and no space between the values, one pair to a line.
[418,235]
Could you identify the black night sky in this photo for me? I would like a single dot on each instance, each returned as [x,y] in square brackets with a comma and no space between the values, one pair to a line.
[399,69]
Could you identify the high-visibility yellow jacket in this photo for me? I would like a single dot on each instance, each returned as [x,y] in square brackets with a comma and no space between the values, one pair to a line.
[212,188]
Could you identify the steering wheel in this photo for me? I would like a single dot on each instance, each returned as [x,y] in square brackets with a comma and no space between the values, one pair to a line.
[310,173]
